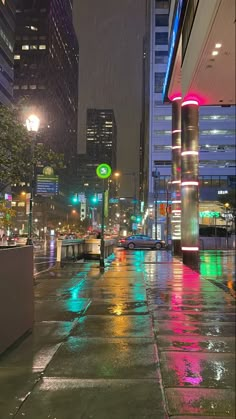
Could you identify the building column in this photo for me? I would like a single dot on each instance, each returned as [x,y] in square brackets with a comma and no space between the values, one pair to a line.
[189,184]
[176,177]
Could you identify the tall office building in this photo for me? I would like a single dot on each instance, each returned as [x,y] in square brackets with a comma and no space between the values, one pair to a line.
[101,146]
[144,126]
[159,124]
[216,125]
[46,60]
[7,37]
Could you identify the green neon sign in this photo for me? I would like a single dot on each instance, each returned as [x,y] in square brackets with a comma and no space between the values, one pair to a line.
[209,214]
[103,171]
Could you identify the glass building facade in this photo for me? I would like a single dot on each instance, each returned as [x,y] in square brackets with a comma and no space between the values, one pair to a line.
[216,127]
[46,58]
[101,147]
[7,37]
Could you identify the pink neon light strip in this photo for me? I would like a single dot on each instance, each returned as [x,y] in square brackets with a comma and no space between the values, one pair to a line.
[189,183]
[190,102]
[189,153]
[177,98]
[191,249]
[176,181]
[176,130]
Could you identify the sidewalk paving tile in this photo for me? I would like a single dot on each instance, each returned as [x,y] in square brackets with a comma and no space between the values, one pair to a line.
[104,358]
[211,370]
[205,401]
[113,326]
[15,385]
[106,399]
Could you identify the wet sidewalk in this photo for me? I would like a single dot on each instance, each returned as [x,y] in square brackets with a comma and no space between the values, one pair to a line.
[149,338]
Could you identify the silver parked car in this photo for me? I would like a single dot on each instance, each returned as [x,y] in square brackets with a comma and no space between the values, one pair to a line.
[141,241]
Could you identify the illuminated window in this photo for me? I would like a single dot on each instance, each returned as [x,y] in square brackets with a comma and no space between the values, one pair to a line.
[33,46]
[25,47]
[33,86]
[16,87]
[16,57]
[162,132]
[24,87]
[42,47]
[162,118]
[218,132]
[222,117]
[32,28]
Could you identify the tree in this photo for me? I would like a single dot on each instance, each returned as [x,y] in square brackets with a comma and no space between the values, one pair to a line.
[6,215]
[15,150]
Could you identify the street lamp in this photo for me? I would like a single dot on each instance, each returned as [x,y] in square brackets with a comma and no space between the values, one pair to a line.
[32,124]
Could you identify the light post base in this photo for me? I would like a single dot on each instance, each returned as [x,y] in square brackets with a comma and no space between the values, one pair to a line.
[29,242]
[102,265]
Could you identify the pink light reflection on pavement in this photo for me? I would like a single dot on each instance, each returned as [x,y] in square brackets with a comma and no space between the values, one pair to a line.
[188,367]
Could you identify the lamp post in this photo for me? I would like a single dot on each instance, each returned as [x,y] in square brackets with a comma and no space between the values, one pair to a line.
[32,124]
[103,171]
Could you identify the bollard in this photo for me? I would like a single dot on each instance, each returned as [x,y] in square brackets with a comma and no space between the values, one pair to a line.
[59,248]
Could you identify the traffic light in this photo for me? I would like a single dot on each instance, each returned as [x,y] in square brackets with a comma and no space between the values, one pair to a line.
[75,199]
[94,199]
[138,218]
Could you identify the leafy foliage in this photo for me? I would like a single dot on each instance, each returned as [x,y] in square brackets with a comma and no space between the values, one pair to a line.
[6,215]
[15,150]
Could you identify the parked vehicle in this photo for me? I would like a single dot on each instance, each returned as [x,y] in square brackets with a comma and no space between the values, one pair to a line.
[21,239]
[141,241]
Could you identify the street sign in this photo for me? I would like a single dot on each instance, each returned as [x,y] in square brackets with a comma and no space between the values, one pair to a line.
[113,201]
[103,171]
[47,185]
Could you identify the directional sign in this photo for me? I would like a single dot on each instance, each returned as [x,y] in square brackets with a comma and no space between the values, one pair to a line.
[103,171]
[47,185]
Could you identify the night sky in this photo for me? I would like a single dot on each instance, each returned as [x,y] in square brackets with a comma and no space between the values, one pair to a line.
[110,34]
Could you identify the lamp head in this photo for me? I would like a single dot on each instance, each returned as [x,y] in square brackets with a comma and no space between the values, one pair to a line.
[32,123]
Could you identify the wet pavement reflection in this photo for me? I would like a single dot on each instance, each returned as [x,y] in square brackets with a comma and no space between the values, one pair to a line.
[44,255]
[148,338]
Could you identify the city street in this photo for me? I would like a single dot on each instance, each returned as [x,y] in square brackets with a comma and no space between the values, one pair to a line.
[117,209]
[148,338]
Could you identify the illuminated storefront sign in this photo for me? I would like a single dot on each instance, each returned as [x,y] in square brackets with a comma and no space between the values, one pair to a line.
[209,214]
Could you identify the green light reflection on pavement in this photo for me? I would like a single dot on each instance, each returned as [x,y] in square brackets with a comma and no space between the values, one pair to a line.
[211,265]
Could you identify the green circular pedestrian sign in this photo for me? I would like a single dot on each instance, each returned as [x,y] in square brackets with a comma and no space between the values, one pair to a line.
[103,171]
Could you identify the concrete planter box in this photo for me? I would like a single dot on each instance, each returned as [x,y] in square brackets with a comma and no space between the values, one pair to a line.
[16,294]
